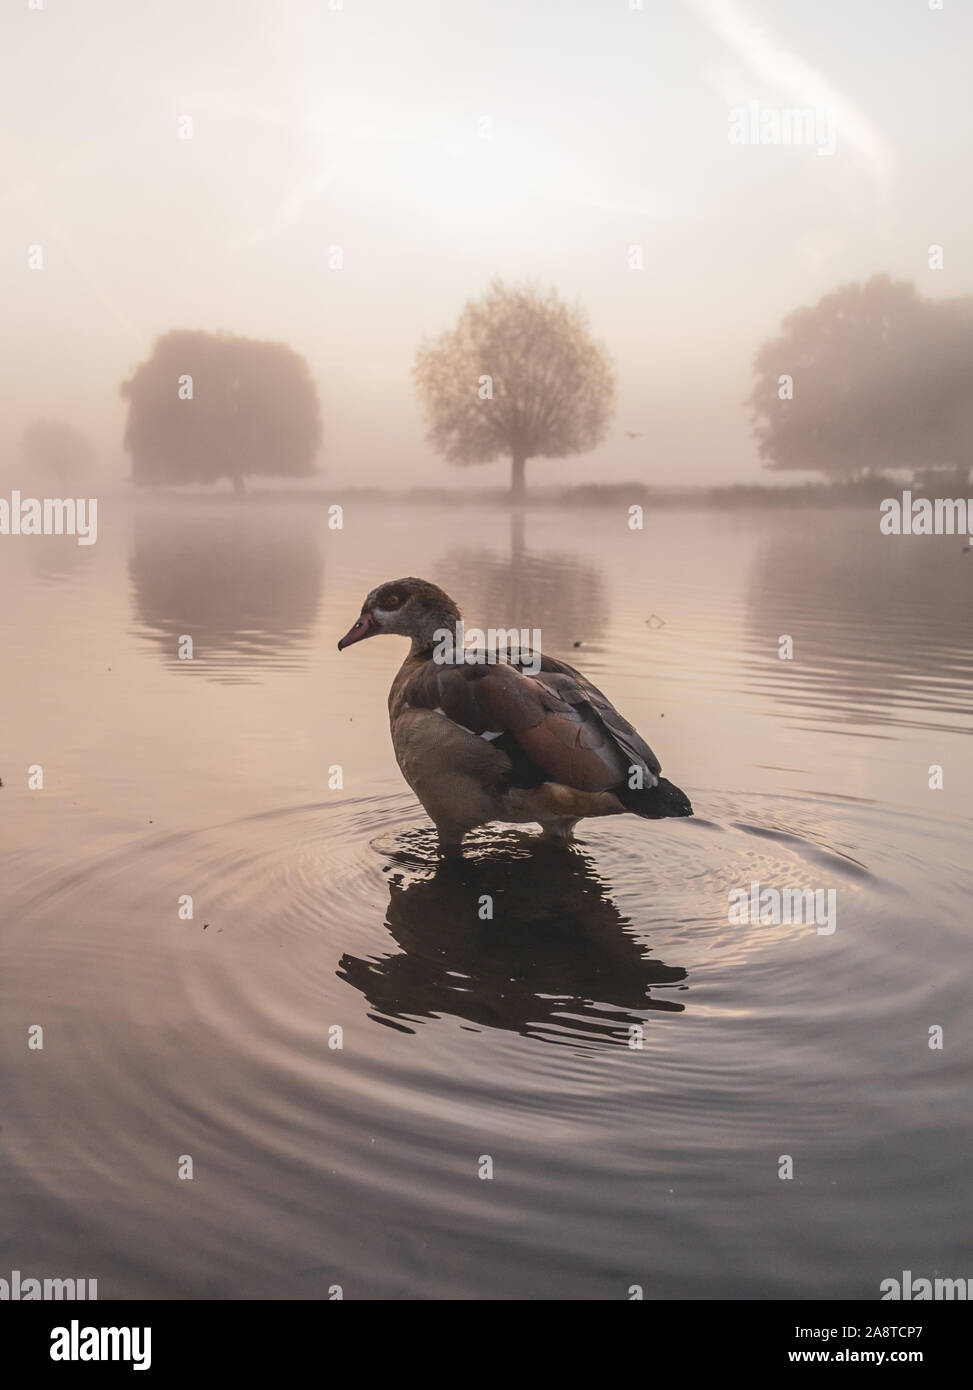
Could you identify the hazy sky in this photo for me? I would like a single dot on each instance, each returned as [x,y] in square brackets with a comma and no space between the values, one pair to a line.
[441,142]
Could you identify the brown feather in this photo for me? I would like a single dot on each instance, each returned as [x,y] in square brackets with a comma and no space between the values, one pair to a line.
[570,732]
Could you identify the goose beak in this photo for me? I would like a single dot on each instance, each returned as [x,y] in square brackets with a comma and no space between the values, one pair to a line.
[366,626]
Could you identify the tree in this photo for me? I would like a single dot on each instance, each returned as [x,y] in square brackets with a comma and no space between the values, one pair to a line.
[207,406]
[881,379]
[57,452]
[519,375]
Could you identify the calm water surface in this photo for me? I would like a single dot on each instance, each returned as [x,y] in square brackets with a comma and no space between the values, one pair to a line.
[318,909]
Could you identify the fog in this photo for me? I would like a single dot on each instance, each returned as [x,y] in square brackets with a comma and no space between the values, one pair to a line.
[439,145]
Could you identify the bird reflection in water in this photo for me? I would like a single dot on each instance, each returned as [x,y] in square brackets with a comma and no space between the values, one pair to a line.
[556,961]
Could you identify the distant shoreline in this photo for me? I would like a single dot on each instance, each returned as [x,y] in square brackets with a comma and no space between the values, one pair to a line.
[865,493]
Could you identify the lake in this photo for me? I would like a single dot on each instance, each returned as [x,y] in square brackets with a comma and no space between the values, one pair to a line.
[635,1070]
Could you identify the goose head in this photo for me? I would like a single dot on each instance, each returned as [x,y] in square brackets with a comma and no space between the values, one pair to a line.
[407,608]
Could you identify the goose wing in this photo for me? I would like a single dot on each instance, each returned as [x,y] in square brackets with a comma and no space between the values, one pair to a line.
[552,723]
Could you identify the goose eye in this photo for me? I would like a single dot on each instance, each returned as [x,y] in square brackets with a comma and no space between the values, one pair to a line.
[392,601]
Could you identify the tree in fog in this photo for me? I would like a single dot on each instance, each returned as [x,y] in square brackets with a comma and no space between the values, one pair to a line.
[943,418]
[519,376]
[58,453]
[208,406]
[881,379]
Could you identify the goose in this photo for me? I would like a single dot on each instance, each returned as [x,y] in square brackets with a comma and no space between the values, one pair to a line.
[522,739]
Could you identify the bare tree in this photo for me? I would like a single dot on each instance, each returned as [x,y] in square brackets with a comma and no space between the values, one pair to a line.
[519,375]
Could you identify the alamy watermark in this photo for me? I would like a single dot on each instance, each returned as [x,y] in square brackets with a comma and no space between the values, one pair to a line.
[50,516]
[813,127]
[77,1343]
[19,1289]
[784,906]
[493,647]
[924,516]
[908,1289]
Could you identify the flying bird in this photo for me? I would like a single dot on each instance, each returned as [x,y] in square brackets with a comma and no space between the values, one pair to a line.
[520,737]
[631,435]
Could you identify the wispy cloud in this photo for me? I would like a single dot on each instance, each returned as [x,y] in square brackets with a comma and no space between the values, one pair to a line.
[802,84]
[293,208]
